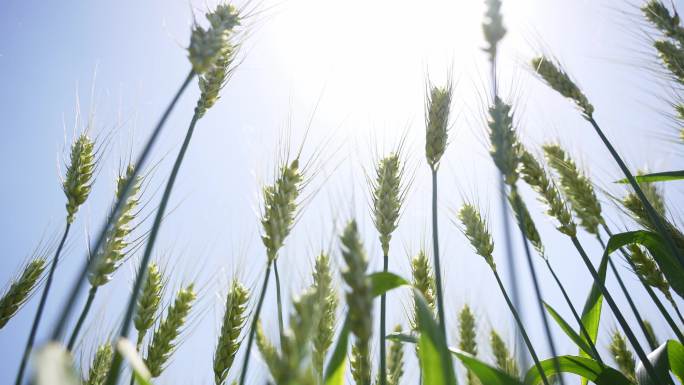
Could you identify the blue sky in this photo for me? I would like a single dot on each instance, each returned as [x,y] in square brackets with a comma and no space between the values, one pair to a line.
[355,71]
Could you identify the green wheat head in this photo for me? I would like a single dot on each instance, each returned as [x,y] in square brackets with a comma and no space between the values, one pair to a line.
[326,296]
[99,368]
[505,151]
[78,180]
[503,357]
[387,197]
[231,328]
[558,80]
[622,355]
[438,107]
[476,230]
[20,290]
[525,222]
[493,27]
[148,302]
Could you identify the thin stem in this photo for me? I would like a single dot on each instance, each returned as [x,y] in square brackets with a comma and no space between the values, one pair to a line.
[651,293]
[676,308]
[82,317]
[383,310]
[618,315]
[655,218]
[630,301]
[583,329]
[281,324]
[538,294]
[139,163]
[526,338]
[41,308]
[142,269]
[435,245]
[252,330]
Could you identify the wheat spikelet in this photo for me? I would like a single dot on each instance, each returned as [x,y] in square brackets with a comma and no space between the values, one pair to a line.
[622,355]
[20,290]
[208,45]
[97,375]
[477,232]
[525,222]
[647,269]
[231,328]
[327,302]
[493,27]
[387,197]
[437,110]
[423,278]
[395,360]
[577,188]
[534,174]
[268,351]
[280,207]
[502,355]
[468,338]
[672,57]
[164,339]
[561,82]
[114,250]
[78,180]
[148,303]
[504,141]
[658,14]
[650,334]
[359,300]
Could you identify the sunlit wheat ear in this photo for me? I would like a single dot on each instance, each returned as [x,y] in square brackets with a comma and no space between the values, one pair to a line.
[534,175]
[164,339]
[647,269]
[437,111]
[577,188]
[359,300]
[395,360]
[504,141]
[503,357]
[657,13]
[115,247]
[560,81]
[468,337]
[672,57]
[423,278]
[327,298]
[208,45]
[476,230]
[268,351]
[634,205]
[651,337]
[97,375]
[231,329]
[493,27]
[280,208]
[525,222]
[20,290]
[78,179]
[388,196]
[622,355]
[148,303]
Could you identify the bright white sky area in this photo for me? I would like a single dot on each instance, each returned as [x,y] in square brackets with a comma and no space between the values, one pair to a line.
[356,71]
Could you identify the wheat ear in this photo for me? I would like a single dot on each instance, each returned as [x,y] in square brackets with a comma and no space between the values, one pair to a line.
[97,375]
[328,301]
[231,329]
[503,357]
[20,290]
[468,338]
[622,355]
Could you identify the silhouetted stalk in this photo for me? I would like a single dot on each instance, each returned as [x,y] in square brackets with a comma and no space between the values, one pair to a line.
[653,215]
[279,301]
[538,294]
[140,163]
[618,315]
[528,343]
[630,301]
[435,245]
[114,370]
[583,330]
[651,293]
[82,317]
[383,310]
[41,307]
[253,327]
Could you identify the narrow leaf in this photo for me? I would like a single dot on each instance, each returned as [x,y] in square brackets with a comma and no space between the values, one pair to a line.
[435,359]
[383,282]
[656,177]
[586,368]
[485,373]
[334,373]
[580,341]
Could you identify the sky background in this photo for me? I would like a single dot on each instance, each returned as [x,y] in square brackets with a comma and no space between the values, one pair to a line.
[355,72]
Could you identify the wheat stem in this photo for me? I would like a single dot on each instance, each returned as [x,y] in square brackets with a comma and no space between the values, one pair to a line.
[41,308]
[435,246]
[655,218]
[383,315]
[152,237]
[651,293]
[255,321]
[583,329]
[279,301]
[618,315]
[140,162]
[521,327]
[537,292]
[630,301]
[82,317]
